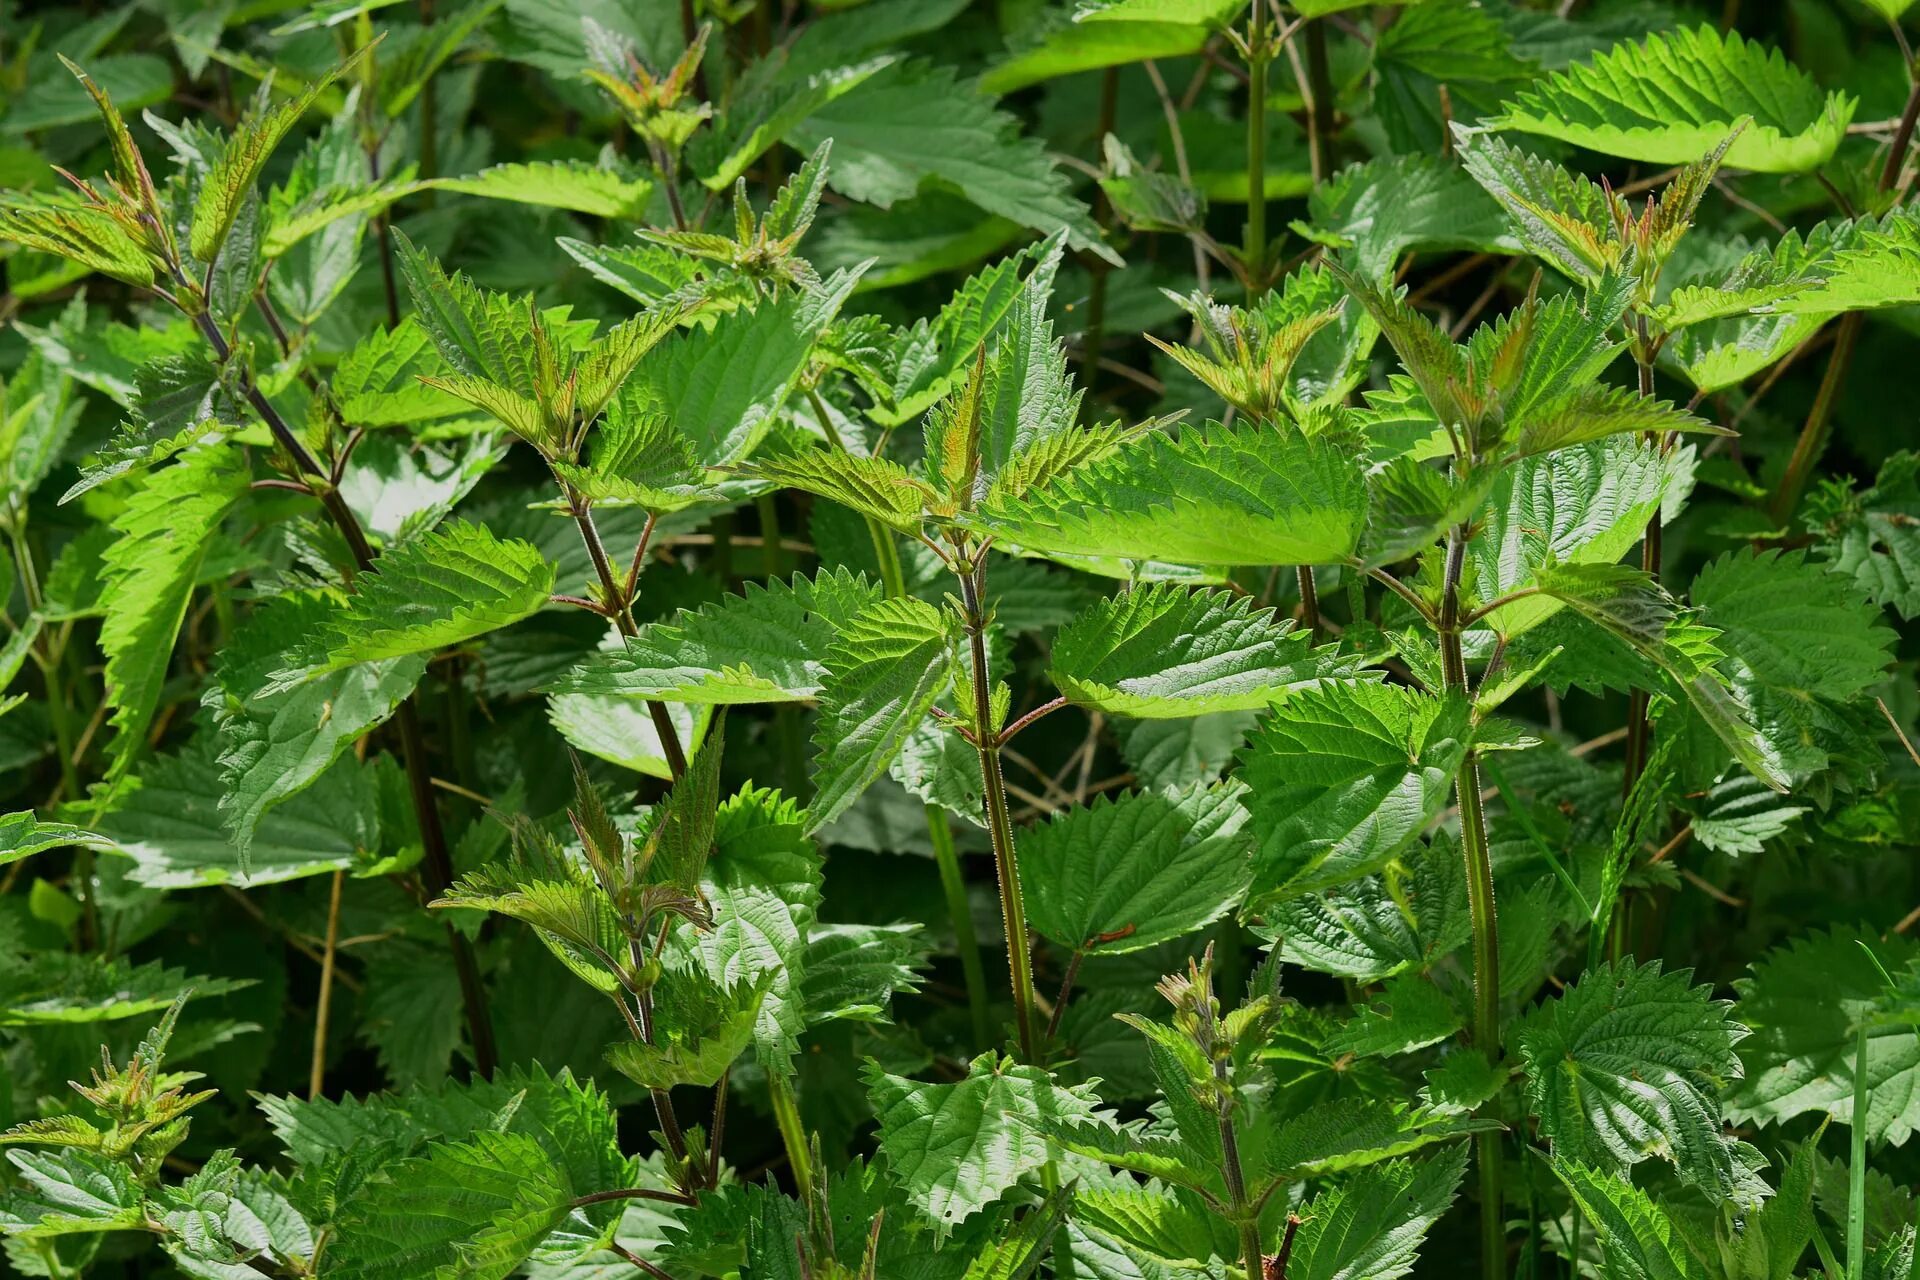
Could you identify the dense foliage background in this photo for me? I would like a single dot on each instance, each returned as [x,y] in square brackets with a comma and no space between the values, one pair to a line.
[575,569]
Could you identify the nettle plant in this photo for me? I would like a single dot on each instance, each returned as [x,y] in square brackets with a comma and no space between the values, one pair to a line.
[406,618]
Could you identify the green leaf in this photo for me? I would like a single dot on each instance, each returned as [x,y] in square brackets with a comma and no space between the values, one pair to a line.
[636,458]
[1804,1002]
[699,1028]
[882,675]
[79,234]
[1587,504]
[768,645]
[55,987]
[1108,34]
[1371,1227]
[577,185]
[70,1193]
[1873,535]
[377,382]
[1213,495]
[230,181]
[1560,216]
[853,970]
[469,1209]
[1410,1013]
[1120,875]
[22,835]
[915,123]
[722,385]
[276,742]
[1353,1133]
[1631,607]
[1672,98]
[878,488]
[481,335]
[168,820]
[1344,777]
[1383,208]
[148,577]
[1800,645]
[1163,652]
[957,1148]
[1628,1063]
[444,588]
[1640,1242]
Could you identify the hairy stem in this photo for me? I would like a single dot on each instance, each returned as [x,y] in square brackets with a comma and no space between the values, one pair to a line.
[1480,906]
[1639,729]
[945,856]
[1013,911]
[436,864]
[622,606]
[1255,250]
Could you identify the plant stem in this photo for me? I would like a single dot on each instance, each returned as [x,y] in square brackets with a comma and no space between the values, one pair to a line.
[1818,428]
[1255,251]
[945,856]
[1013,911]
[1309,602]
[1480,906]
[1857,1161]
[622,606]
[323,1008]
[1320,101]
[1639,729]
[1095,331]
[436,864]
[954,886]
[793,1135]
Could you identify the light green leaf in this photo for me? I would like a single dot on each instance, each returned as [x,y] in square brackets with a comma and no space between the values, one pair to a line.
[1805,1002]
[1343,778]
[244,156]
[1628,1064]
[1213,495]
[878,488]
[22,835]
[1108,34]
[915,123]
[721,385]
[148,577]
[1352,1133]
[57,988]
[475,1209]
[1165,652]
[1120,875]
[1587,504]
[957,1148]
[882,674]
[443,588]
[577,185]
[276,743]
[1371,1227]
[699,1028]
[1631,607]
[1673,97]
[70,1193]
[768,645]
